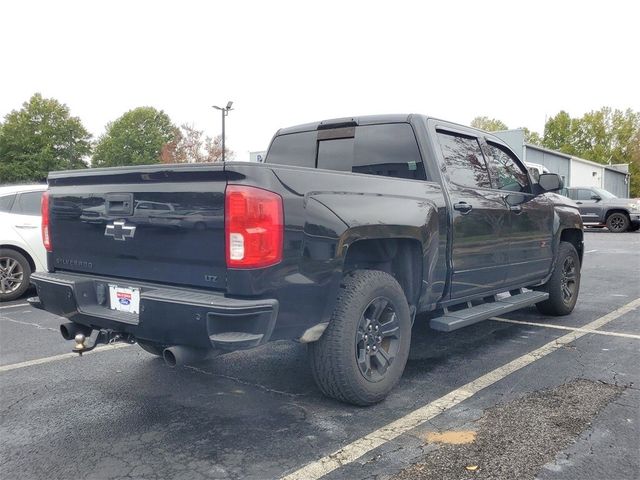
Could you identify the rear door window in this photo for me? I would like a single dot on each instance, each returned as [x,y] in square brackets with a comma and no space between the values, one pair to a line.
[28,203]
[466,165]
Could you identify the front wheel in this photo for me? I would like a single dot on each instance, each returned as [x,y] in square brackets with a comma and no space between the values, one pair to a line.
[363,352]
[617,222]
[564,284]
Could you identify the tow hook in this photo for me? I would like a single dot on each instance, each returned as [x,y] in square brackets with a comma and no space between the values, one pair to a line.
[104,337]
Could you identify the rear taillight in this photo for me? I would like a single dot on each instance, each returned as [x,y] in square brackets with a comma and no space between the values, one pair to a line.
[254,227]
[46,236]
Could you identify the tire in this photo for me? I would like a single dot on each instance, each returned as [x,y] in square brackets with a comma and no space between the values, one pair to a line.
[618,222]
[15,272]
[152,348]
[564,285]
[341,364]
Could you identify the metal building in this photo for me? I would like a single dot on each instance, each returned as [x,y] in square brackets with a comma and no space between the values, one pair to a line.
[574,171]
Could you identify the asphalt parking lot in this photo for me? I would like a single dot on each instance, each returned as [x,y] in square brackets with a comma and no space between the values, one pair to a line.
[526,396]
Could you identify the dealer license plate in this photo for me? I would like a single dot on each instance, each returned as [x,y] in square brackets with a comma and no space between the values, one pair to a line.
[124,299]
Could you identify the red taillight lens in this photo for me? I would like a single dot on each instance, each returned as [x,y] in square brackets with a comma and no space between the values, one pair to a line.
[46,237]
[254,227]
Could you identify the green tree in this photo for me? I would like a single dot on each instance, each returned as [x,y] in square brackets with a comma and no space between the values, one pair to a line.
[488,124]
[560,133]
[531,137]
[40,137]
[141,136]
[604,136]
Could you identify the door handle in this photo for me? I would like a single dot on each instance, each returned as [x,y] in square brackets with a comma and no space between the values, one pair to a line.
[579,203]
[515,209]
[462,207]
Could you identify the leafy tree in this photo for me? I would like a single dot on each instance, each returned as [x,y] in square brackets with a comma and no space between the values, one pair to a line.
[40,137]
[604,136]
[193,147]
[532,137]
[488,124]
[141,136]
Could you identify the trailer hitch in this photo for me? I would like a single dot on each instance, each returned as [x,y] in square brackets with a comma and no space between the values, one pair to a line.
[104,337]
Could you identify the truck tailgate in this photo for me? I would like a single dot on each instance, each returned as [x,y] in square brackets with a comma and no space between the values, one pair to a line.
[151,223]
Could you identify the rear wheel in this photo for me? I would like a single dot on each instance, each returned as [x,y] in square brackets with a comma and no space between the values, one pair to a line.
[617,222]
[152,348]
[15,272]
[564,284]
[363,352]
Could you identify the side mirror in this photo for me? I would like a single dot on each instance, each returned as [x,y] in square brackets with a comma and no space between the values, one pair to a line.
[514,199]
[550,182]
[595,197]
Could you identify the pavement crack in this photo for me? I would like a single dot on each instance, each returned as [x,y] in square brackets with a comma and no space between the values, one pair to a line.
[30,324]
[245,382]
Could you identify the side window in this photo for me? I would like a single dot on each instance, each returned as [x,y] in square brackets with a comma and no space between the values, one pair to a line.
[506,174]
[28,203]
[390,150]
[465,162]
[6,202]
[564,192]
[583,194]
[294,149]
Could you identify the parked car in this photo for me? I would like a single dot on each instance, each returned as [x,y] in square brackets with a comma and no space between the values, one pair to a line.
[350,228]
[600,208]
[21,249]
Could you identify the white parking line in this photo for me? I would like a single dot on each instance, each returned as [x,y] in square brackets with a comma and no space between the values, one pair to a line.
[363,445]
[590,251]
[562,327]
[55,358]
[14,306]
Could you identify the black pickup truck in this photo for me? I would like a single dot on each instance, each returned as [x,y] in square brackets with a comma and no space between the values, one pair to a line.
[348,230]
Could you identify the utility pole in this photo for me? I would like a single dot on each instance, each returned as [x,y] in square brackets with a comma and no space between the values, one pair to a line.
[225,112]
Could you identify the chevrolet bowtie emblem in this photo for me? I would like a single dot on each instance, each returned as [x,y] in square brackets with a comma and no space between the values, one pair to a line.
[119,231]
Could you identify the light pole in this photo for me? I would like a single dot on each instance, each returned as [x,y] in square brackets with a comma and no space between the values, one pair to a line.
[225,112]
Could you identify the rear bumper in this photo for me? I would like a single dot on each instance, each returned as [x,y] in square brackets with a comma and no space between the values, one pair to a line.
[168,315]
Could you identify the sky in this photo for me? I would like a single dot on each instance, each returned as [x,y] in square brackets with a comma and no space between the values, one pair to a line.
[284,63]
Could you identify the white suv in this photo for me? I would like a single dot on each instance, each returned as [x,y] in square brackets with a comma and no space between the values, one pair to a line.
[21,248]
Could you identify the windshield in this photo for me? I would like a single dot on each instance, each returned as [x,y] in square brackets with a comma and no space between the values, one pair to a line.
[604,193]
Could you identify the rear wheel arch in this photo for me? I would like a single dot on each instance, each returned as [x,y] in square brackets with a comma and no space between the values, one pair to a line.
[400,257]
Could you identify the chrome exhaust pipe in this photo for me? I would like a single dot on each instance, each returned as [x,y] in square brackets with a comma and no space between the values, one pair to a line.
[71,329]
[177,356]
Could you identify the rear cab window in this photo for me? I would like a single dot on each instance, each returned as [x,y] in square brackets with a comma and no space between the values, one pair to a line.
[389,150]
